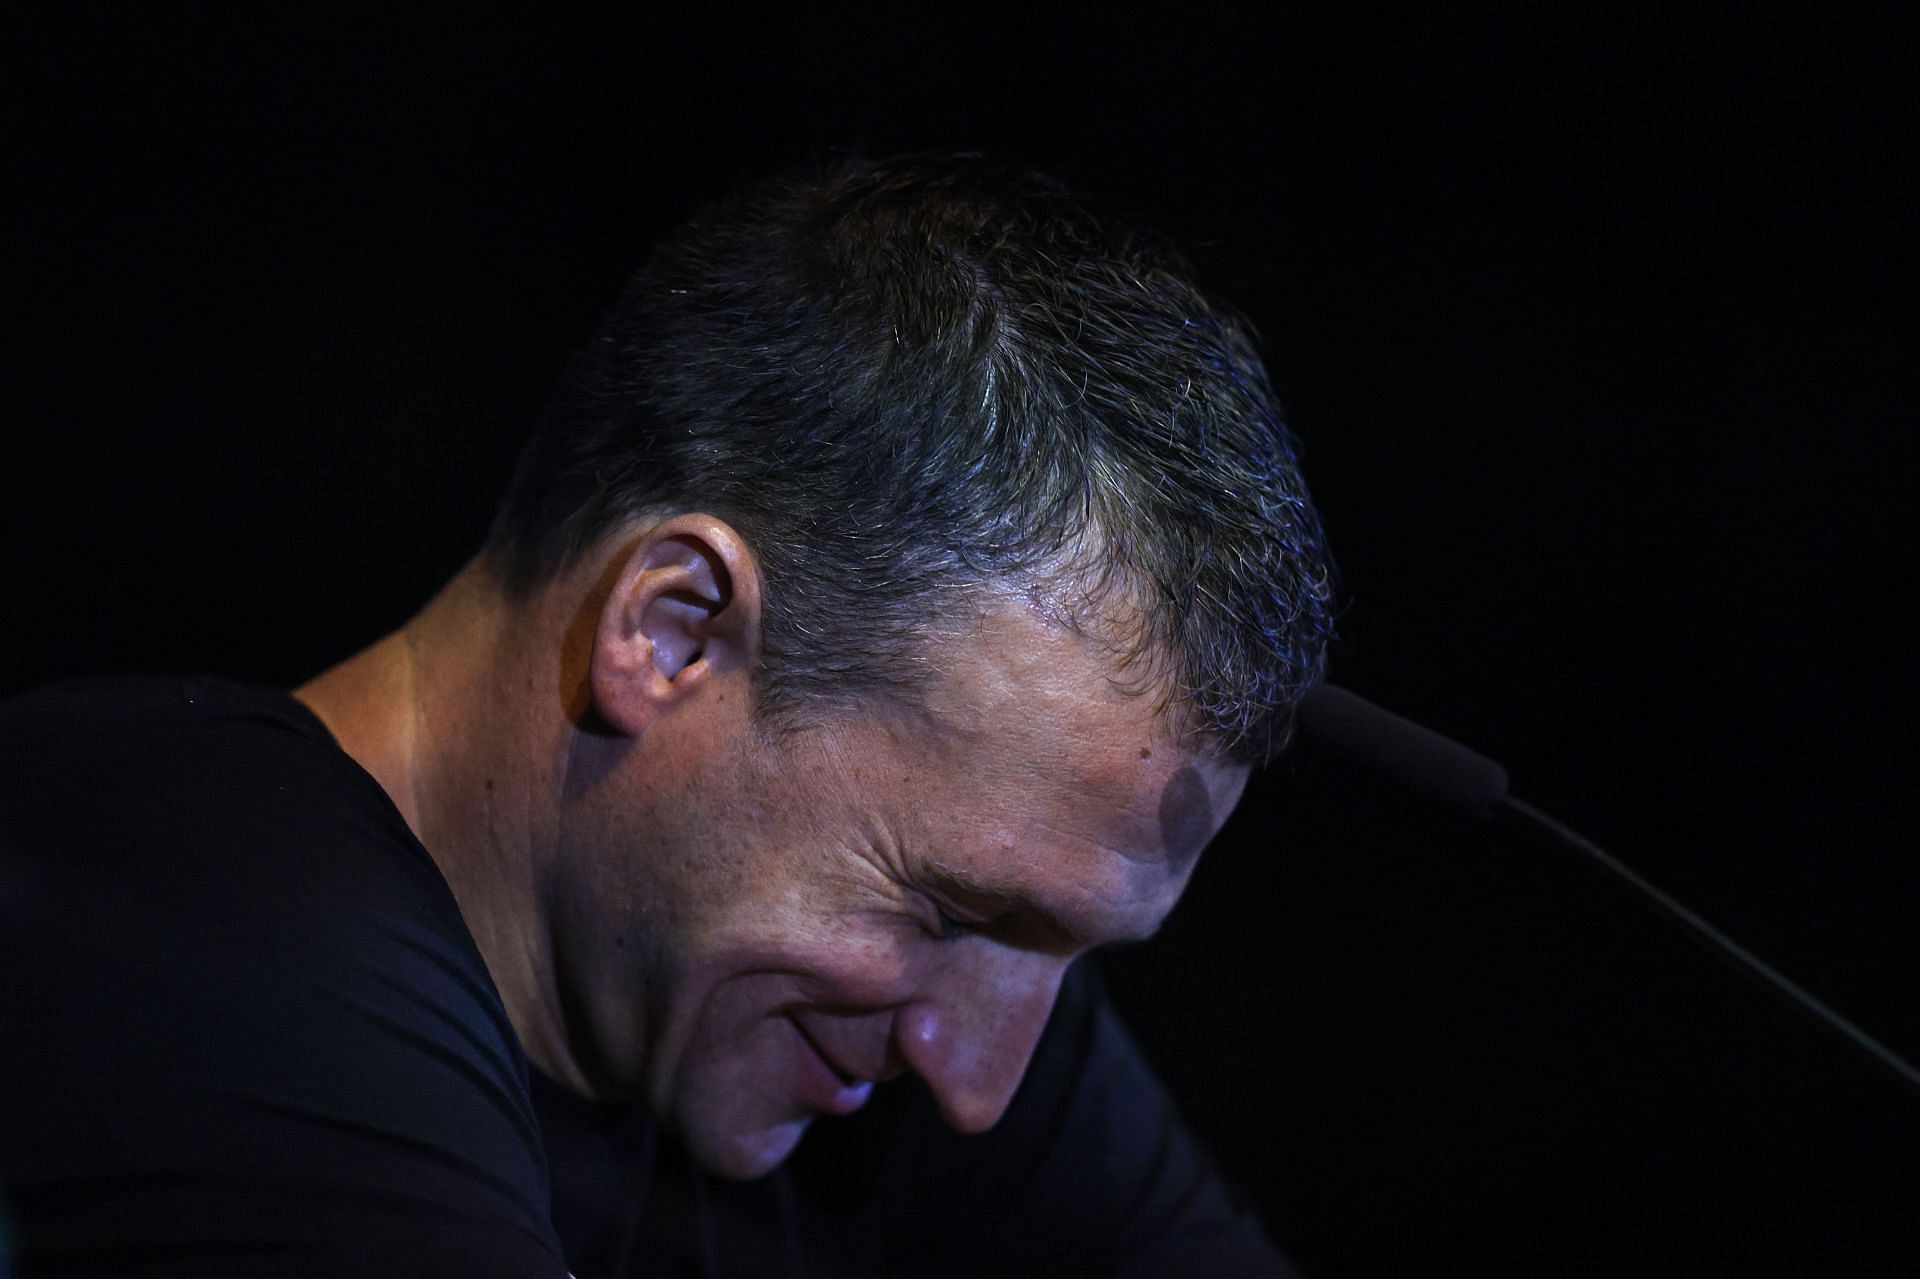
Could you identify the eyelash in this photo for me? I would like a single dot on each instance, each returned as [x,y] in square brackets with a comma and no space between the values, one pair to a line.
[948,928]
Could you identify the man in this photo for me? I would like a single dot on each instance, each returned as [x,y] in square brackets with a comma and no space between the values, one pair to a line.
[886,613]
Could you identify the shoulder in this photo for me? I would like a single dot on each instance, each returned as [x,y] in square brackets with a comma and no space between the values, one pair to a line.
[224,806]
[173,756]
[246,980]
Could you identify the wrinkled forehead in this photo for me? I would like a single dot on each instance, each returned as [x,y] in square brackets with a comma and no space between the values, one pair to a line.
[1031,708]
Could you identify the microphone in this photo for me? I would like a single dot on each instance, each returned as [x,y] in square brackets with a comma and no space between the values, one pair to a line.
[1422,760]
[1418,758]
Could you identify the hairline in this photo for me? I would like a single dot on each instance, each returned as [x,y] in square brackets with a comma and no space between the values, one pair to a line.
[1103,606]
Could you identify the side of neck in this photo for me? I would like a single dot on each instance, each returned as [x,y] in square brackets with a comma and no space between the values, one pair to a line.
[440,714]
[367,703]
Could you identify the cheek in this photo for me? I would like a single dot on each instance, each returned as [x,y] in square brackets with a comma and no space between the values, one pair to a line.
[745,979]
[823,918]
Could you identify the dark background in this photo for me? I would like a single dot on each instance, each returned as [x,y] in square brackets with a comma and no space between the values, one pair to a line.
[1597,340]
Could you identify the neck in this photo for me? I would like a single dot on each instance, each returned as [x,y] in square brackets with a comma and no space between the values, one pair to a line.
[462,716]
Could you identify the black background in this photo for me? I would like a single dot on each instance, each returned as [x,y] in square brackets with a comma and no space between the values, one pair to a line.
[1596,337]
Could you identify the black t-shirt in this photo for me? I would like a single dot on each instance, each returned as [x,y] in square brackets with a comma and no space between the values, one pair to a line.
[245,1031]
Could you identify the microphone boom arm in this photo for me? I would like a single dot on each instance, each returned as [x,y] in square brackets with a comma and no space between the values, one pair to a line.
[1423,760]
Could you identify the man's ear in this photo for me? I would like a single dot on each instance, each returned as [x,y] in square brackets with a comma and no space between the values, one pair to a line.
[684,613]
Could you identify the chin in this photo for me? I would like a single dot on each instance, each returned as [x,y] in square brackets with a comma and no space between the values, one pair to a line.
[744,1156]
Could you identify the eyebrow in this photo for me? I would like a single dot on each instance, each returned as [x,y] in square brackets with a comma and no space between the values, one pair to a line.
[974,893]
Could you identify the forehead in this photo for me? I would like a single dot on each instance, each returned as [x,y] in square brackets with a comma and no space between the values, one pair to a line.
[1046,770]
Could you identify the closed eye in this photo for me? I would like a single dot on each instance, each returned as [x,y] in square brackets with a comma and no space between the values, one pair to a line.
[1003,914]
[951,927]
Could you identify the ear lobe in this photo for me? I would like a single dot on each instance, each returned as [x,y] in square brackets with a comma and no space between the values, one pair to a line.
[677,617]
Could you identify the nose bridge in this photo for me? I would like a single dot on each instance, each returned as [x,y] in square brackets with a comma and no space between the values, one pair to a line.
[971,1035]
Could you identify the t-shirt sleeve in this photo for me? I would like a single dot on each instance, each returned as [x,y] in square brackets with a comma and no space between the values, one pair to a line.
[1091,1172]
[242,1034]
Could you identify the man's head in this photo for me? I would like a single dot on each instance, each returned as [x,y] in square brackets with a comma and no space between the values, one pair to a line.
[914,383]
[946,568]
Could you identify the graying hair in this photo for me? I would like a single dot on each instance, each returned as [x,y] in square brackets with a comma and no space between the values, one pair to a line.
[911,383]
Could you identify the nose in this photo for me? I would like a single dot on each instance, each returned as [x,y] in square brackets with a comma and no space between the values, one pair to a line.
[973,1034]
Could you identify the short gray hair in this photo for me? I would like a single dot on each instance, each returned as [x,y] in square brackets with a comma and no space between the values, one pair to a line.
[909,382]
